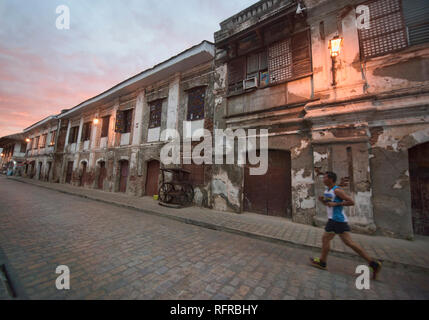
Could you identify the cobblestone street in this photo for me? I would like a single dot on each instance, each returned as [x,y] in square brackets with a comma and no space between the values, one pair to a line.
[119,253]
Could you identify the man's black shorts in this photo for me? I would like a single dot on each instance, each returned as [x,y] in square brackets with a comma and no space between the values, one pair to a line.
[337,227]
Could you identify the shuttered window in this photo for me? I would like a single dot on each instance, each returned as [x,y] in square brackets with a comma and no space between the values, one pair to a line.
[105,127]
[124,121]
[416,16]
[155,114]
[387,32]
[282,61]
[73,134]
[53,136]
[196,99]
[86,134]
[236,74]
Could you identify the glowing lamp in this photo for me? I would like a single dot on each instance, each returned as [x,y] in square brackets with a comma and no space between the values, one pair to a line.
[335,46]
[2,155]
[27,140]
[96,121]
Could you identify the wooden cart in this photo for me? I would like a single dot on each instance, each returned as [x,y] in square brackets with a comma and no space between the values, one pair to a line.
[179,191]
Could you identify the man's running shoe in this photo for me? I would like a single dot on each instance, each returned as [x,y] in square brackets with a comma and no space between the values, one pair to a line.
[376,268]
[315,262]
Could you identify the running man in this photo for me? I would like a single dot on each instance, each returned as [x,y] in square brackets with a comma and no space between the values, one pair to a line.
[335,200]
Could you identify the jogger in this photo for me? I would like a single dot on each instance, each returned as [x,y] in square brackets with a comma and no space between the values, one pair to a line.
[335,199]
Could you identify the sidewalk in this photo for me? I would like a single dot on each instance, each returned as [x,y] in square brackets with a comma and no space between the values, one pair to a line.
[395,252]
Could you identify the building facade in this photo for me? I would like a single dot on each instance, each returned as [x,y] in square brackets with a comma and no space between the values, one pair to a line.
[340,86]
[113,142]
[361,112]
[12,154]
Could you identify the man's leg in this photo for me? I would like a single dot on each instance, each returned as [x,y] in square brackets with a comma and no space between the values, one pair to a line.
[326,246]
[347,239]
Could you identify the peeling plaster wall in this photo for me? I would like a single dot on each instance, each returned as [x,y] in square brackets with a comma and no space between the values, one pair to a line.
[390,175]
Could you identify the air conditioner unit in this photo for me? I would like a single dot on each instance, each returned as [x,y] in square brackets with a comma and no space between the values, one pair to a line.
[250,83]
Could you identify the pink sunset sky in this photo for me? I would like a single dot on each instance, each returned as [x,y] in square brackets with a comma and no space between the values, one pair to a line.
[44,70]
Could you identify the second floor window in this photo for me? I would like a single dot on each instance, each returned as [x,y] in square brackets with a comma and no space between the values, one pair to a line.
[105,127]
[196,99]
[124,121]
[282,61]
[74,131]
[43,141]
[395,25]
[86,133]
[53,136]
[155,114]
[36,142]
[23,148]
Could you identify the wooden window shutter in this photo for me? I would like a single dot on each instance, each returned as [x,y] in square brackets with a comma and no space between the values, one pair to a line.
[120,122]
[387,32]
[301,54]
[280,61]
[155,114]
[196,99]
[416,15]
[236,74]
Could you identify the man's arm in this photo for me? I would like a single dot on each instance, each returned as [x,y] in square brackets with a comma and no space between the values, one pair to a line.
[347,200]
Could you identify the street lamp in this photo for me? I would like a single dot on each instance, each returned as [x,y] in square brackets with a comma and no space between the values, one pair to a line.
[335,45]
[96,121]
[27,140]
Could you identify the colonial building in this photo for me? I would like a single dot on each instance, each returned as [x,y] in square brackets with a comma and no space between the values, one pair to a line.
[335,96]
[113,141]
[12,154]
[40,150]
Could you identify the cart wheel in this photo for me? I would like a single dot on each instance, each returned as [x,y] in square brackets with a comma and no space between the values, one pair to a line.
[189,193]
[164,193]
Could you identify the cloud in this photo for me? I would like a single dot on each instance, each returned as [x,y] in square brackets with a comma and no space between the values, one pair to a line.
[44,70]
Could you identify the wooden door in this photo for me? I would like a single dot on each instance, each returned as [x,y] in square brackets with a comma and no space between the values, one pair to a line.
[152,178]
[69,172]
[123,176]
[83,175]
[102,175]
[49,171]
[419,179]
[40,171]
[270,194]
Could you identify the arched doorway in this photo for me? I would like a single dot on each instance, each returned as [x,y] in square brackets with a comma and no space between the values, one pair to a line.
[40,171]
[419,180]
[152,178]
[270,194]
[123,175]
[102,175]
[69,172]
[83,175]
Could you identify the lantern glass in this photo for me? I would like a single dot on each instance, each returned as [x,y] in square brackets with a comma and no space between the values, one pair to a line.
[95,121]
[335,46]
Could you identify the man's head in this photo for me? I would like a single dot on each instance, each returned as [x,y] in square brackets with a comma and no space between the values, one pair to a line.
[329,178]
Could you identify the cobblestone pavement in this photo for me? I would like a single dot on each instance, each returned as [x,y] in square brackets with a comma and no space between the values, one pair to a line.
[411,254]
[120,253]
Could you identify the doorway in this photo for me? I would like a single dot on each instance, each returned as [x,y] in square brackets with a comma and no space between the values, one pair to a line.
[83,175]
[271,193]
[40,171]
[49,171]
[102,175]
[123,175]
[69,172]
[419,180]
[152,178]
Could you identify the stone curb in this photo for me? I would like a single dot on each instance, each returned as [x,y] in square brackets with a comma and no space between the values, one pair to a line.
[211,226]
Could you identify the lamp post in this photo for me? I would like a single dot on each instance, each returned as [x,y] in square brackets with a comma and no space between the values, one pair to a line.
[335,49]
